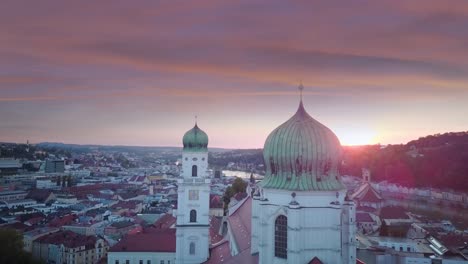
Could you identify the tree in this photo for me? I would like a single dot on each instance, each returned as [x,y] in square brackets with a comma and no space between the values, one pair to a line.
[11,250]
[239,186]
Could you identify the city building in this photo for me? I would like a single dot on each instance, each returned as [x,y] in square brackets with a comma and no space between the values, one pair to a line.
[69,247]
[9,166]
[366,194]
[12,195]
[54,166]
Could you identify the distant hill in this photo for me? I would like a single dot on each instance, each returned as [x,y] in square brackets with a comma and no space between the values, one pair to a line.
[440,140]
[439,161]
[117,148]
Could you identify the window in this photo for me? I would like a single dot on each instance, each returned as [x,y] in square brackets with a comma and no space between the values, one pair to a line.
[141,261]
[127,261]
[116,262]
[401,248]
[281,237]
[162,262]
[148,262]
[193,216]
[408,249]
[194,171]
[192,248]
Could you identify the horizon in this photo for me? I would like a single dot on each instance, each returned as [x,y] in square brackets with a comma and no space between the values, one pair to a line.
[215,147]
[137,73]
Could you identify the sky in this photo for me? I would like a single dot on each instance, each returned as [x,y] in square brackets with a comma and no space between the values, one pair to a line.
[138,72]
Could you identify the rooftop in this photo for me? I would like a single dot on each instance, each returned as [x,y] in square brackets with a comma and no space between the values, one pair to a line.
[160,241]
[69,239]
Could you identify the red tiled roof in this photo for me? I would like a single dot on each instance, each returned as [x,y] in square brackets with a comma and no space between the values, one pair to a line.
[40,195]
[240,224]
[243,257]
[161,241]
[366,193]
[125,205]
[371,197]
[34,220]
[367,209]
[453,240]
[82,191]
[138,229]
[222,254]
[164,222]
[315,260]
[215,224]
[363,217]
[215,202]
[393,212]
[61,221]
[219,254]
[69,239]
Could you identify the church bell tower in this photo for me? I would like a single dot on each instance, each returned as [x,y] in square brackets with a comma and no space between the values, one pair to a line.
[193,200]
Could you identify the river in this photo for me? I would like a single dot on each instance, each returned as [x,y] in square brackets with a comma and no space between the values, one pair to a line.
[241,174]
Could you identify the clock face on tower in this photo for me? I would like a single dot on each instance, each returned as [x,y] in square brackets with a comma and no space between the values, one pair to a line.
[193,194]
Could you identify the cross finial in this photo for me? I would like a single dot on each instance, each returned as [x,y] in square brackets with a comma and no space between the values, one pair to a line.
[196,119]
[301,88]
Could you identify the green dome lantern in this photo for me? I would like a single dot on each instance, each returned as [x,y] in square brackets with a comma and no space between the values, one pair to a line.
[195,140]
[302,155]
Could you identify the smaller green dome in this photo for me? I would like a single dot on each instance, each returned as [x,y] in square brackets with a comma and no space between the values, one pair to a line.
[195,140]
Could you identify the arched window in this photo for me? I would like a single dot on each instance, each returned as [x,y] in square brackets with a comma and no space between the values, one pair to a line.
[192,248]
[281,237]
[194,171]
[193,216]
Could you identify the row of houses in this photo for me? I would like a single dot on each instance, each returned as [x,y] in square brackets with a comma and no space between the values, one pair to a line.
[422,193]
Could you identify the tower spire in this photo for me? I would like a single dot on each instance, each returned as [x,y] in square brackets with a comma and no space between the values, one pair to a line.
[196,120]
[301,88]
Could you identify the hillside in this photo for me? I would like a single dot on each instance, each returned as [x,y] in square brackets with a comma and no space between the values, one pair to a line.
[433,161]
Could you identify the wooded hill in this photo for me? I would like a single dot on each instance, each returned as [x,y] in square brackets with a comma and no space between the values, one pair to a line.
[439,161]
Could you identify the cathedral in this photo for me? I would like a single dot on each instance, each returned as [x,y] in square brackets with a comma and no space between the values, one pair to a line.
[299,213]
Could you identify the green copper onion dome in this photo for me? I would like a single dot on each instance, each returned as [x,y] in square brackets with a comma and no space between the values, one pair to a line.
[195,140]
[302,155]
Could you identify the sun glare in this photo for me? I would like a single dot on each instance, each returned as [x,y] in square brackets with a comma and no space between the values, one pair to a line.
[356,137]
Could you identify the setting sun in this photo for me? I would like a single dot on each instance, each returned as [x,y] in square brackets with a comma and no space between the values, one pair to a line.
[356,137]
